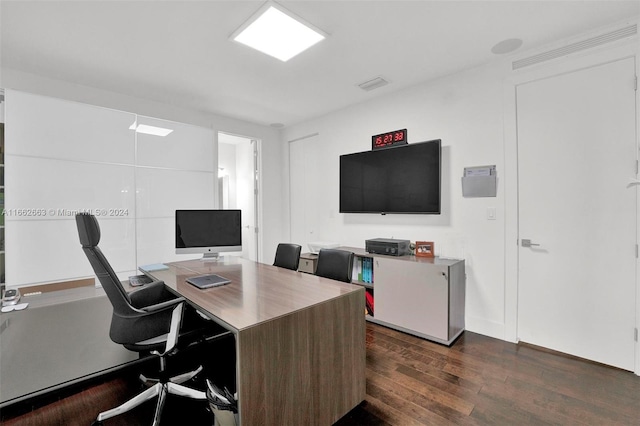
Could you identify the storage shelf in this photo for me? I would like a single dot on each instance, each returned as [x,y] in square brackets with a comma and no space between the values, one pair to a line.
[428,300]
[363,284]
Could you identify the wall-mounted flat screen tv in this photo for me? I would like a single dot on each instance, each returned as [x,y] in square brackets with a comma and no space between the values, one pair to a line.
[401,179]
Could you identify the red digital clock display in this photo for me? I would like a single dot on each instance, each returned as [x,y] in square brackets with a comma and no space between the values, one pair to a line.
[386,140]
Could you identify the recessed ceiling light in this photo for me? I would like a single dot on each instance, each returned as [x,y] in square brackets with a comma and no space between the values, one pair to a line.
[277,32]
[150,130]
[506,46]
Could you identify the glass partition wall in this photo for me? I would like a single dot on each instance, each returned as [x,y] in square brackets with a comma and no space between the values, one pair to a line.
[131,171]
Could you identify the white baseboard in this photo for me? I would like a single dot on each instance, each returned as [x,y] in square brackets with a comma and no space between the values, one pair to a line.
[485,327]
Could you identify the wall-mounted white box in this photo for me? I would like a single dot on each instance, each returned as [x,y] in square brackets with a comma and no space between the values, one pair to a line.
[479,181]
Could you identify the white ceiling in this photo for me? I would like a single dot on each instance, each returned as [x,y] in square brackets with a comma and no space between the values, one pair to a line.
[178,52]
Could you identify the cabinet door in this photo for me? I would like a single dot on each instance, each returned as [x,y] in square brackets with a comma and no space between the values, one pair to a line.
[412,295]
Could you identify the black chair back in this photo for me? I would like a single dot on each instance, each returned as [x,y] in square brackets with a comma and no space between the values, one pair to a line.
[335,264]
[288,256]
[89,232]
[126,320]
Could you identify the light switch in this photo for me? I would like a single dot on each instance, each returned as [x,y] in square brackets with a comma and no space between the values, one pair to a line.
[491,213]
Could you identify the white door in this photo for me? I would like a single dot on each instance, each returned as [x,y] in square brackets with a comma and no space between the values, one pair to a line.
[246,168]
[576,158]
[238,167]
[304,173]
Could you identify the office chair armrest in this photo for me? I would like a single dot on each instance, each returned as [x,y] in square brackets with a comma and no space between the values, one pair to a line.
[174,329]
[150,294]
[163,305]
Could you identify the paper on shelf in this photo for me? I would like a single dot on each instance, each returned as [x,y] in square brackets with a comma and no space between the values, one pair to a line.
[477,171]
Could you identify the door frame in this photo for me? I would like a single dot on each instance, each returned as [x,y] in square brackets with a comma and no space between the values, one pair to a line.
[257,198]
[553,68]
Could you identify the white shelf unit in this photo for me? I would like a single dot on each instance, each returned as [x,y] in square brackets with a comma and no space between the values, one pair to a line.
[424,297]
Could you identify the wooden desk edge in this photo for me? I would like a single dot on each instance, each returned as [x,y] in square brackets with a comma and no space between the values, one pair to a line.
[322,349]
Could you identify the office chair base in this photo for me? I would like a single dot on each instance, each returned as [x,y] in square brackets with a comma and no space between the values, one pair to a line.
[161,390]
[185,377]
[180,378]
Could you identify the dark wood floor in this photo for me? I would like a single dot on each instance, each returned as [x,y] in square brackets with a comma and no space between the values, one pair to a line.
[410,381]
[480,380]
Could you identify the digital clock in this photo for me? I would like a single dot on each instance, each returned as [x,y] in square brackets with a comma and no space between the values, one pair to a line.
[386,140]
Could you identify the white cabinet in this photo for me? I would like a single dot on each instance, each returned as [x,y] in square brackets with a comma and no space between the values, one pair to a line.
[308,263]
[421,296]
[414,296]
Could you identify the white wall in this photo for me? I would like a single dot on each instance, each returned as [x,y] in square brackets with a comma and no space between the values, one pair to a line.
[465,111]
[271,155]
[471,112]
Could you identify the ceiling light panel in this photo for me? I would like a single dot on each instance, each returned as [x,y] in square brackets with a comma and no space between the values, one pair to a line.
[150,130]
[277,32]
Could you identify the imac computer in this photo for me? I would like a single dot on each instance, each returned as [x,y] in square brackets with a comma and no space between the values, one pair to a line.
[210,232]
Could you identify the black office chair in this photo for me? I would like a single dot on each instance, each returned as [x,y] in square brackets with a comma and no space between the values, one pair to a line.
[335,264]
[148,320]
[288,256]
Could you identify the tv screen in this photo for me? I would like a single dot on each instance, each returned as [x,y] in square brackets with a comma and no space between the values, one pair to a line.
[402,179]
[208,231]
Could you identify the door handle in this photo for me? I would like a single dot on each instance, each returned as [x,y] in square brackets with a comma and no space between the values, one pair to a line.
[527,243]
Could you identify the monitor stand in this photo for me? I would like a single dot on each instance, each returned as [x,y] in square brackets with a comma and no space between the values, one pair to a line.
[212,257]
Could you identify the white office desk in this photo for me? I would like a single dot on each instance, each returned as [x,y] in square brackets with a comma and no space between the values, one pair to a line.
[300,339]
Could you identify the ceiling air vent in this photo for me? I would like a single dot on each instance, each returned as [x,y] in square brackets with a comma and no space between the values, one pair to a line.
[374,83]
[599,40]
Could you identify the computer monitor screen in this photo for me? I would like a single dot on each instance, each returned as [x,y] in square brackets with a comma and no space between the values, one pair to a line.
[208,231]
